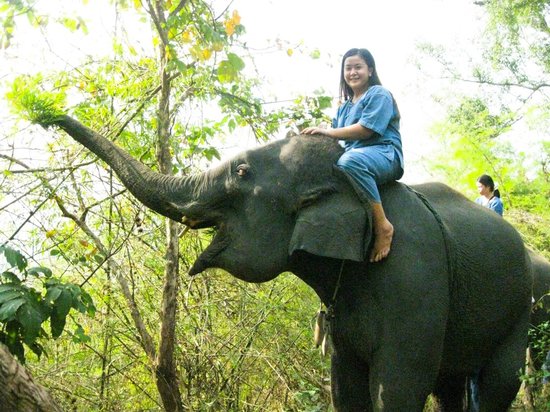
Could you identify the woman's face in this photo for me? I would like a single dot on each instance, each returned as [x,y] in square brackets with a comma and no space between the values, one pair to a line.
[357,74]
[482,189]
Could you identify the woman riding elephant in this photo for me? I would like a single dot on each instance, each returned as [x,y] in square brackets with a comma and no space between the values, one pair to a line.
[368,123]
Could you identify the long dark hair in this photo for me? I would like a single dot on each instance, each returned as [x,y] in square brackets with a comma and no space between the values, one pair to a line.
[346,92]
[488,181]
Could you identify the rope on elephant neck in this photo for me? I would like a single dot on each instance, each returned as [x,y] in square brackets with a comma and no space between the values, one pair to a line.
[446,240]
[330,307]
[324,322]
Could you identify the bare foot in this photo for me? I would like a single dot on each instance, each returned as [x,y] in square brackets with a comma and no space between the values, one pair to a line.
[382,242]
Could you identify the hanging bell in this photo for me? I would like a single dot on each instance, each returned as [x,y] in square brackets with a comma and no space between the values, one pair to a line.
[319,332]
[326,346]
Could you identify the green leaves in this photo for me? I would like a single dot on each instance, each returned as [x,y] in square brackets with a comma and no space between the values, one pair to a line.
[24,309]
[228,70]
[30,101]
[307,111]
[7,26]
[21,306]
[10,301]
[63,298]
[13,257]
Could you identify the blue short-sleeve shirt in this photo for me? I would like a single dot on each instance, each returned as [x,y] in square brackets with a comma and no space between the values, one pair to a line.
[376,111]
[495,203]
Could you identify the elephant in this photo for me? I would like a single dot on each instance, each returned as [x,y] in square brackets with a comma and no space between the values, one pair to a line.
[541,289]
[453,297]
[541,297]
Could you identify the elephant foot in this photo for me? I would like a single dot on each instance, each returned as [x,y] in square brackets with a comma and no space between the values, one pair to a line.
[382,242]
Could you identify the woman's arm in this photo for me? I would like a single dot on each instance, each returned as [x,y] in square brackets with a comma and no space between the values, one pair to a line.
[352,132]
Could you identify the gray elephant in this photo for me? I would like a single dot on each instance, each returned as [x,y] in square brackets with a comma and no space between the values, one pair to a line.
[541,295]
[541,288]
[452,298]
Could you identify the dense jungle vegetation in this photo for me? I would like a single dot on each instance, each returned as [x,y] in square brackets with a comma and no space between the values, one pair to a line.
[94,297]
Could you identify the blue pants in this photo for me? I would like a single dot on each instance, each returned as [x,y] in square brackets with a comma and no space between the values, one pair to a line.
[370,166]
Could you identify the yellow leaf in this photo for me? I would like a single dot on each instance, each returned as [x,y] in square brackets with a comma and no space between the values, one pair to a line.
[196,52]
[290,52]
[232,22]
[168,51]
[206,54]
[229,27]
[51,233]
[236,18]
[187,36]
[217,46]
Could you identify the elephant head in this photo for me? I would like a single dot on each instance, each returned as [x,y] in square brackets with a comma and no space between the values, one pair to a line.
[264,204]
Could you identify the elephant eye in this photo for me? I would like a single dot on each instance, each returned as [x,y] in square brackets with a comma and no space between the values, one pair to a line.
[242,170]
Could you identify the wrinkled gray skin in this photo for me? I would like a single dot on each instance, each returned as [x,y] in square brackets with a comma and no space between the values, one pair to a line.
[417,323]
[541,290]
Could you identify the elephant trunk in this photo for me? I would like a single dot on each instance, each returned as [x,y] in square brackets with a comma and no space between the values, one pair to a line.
[155,190]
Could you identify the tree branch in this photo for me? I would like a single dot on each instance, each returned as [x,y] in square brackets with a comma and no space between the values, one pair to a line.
[178,8]
[158,20]
[534,87]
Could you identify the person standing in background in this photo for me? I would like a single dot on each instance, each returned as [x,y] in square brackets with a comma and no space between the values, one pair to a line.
[489,196]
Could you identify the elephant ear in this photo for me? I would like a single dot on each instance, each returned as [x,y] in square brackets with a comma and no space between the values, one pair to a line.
[334,224]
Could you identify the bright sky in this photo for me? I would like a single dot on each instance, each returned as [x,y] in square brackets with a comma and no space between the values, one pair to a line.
[389,29]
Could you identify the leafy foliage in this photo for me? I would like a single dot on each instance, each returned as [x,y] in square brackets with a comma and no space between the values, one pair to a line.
[24,308]
[306,111]
[510,20]
[487,130]
[30,101]
[229,349]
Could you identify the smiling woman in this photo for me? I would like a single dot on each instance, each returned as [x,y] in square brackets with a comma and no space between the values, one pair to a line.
[368,124]
[318,45]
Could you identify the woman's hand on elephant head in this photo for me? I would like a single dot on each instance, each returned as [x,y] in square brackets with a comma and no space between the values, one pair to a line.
[316,130]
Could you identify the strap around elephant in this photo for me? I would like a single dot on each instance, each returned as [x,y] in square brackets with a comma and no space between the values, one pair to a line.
[330,308]
[446,240]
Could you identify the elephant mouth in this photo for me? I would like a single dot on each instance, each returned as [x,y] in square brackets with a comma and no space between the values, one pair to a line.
[198,223]
[206,259]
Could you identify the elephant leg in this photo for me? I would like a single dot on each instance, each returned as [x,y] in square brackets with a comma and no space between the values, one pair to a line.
[499,379]
[349,383]
[450,393]
[398,382]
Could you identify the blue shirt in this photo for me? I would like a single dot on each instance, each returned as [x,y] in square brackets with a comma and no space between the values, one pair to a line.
[376,111]
[495,203]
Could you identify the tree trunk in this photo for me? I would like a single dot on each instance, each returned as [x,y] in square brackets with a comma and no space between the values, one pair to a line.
[167,378]
[18,391]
